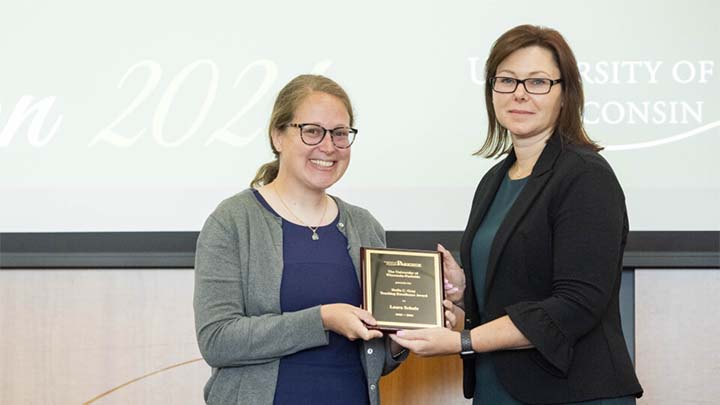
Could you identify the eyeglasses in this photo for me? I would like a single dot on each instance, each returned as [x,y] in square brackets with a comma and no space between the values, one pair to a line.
[533,85]
[313,134]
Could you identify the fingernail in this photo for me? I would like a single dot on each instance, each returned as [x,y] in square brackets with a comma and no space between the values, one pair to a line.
[400,333]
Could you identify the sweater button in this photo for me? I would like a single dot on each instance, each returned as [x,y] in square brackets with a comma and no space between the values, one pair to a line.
[341,225]
[372,387]
[370,351]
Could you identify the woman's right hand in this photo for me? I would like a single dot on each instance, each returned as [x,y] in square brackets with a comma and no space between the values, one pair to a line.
[349,321]
[454,277]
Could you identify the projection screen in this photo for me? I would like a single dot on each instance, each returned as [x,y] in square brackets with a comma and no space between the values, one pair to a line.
[143,116]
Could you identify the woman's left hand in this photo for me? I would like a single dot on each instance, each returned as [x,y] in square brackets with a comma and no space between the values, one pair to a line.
[429,342]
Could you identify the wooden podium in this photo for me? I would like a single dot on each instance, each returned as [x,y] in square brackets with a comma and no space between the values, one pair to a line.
[435,380]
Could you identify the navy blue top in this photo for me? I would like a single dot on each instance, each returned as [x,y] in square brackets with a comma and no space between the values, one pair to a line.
[488,389]
[318,272]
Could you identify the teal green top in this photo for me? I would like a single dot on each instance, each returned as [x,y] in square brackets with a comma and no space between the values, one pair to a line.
[488,389]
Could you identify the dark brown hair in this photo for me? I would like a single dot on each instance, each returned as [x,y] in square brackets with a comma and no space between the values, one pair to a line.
[283,111]
[569,124]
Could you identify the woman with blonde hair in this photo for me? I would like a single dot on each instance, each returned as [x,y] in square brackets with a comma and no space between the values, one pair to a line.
[277,293]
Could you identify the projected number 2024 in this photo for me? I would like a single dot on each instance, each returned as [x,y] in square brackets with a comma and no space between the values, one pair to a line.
[111,135]
[154,72]
[223,134]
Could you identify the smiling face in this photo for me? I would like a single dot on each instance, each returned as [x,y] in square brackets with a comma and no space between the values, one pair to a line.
[528,115]
[316,167]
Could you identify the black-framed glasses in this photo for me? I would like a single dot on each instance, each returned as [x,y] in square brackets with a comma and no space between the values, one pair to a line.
[313,134]
[533,85]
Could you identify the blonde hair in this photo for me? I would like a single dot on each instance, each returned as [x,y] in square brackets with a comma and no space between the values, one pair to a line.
[283,111]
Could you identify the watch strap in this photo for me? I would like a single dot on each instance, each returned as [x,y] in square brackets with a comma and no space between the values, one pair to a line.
[466,348]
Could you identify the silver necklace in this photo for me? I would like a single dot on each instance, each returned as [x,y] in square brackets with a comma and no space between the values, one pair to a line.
[314,230]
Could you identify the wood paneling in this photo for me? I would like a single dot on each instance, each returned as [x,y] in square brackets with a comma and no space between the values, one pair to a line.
[420,381]
[74,336]
[677,335]
[68,336]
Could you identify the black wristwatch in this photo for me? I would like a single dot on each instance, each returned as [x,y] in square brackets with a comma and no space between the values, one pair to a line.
[466,349]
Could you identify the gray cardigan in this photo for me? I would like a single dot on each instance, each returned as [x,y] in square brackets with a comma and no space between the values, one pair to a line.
[241,332]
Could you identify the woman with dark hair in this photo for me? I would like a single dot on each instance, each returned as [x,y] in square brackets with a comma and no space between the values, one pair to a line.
[277,293]
[542,250]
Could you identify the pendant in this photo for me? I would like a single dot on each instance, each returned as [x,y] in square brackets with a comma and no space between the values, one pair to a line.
[315,236]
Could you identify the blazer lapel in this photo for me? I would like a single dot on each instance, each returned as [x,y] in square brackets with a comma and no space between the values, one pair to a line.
[538,178]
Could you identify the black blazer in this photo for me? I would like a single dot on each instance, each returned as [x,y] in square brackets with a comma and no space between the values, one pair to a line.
[554,268]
